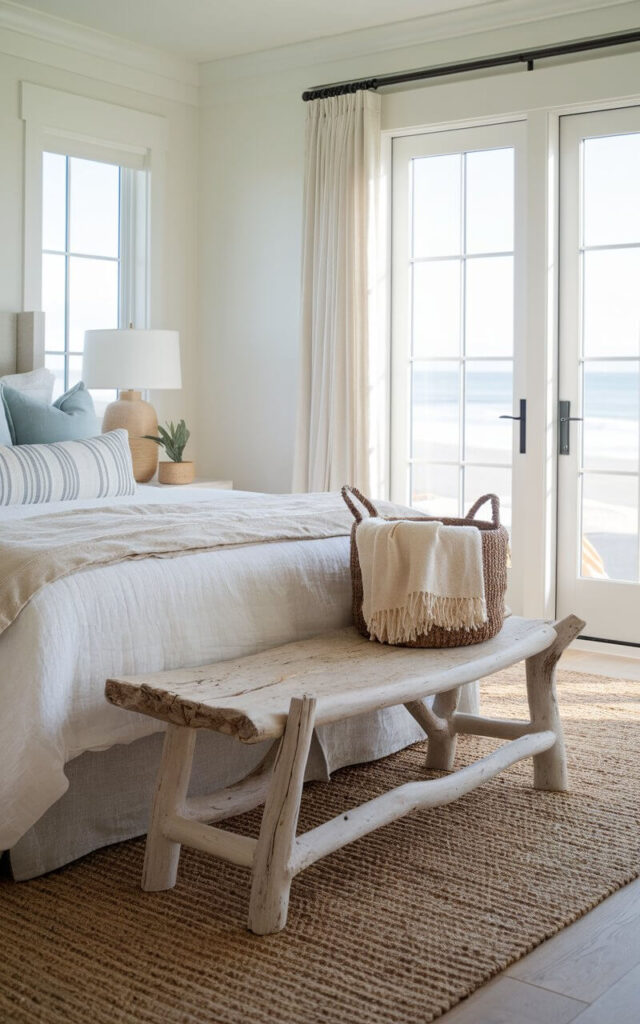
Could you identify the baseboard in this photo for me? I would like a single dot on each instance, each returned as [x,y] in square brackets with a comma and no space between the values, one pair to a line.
[598,646]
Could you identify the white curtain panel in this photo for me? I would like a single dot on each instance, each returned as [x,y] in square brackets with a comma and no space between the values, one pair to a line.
[342,148]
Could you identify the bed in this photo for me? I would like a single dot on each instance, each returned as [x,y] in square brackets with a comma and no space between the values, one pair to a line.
[77,774]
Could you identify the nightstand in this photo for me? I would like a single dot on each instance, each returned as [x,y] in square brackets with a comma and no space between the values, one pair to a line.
[218,485]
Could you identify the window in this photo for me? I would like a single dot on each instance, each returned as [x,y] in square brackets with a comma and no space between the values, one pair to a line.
[93,257]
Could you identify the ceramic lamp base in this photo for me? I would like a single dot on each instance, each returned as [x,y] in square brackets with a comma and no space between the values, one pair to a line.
[176,472]
[138,418]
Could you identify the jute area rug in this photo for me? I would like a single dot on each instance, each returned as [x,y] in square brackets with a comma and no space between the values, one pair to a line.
[396,928]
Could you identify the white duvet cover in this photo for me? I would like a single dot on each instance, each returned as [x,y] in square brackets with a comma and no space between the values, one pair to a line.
[137,616]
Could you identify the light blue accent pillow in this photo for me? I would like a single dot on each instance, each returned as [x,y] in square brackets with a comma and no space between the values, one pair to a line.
[71,417]
[37,383]
[5,433]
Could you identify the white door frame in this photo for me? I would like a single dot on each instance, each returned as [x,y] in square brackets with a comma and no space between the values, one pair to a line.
[540,98]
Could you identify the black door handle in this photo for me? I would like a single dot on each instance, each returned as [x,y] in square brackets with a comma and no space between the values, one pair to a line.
[564,434]
[522,419]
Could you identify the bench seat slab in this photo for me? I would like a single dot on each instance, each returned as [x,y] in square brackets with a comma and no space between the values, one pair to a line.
[249,697]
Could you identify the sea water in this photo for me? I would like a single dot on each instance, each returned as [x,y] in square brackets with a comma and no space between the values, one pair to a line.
[607,440]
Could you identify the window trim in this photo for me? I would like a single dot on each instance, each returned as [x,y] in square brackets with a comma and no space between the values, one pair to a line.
[62,122]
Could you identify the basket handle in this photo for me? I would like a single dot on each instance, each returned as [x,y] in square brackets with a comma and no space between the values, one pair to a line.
[495,508]
[346,492]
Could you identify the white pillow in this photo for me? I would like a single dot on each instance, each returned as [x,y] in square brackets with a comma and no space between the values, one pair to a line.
[99,467]
[36,383]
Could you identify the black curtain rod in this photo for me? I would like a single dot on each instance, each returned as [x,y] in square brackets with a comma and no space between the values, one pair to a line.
[498,60]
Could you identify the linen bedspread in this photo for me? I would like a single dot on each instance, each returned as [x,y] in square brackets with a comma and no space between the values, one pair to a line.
[47,548]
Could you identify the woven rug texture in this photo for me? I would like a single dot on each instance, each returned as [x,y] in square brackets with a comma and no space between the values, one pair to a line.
[394,929]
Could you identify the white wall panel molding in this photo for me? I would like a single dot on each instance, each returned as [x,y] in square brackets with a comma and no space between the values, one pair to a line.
[38,37]
[604,81]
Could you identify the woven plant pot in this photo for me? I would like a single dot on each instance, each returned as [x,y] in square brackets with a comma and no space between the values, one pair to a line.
[176,472]
[495,546]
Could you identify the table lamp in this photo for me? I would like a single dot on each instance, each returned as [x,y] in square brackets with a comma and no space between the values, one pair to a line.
[132,360]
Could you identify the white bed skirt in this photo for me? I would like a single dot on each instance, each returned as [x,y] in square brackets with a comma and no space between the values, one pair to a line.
[109,795]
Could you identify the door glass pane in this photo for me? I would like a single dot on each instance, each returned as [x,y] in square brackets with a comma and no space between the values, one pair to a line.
[490,209]
[93,298]
[436,411]
[479,480]
[53,302]
[489,306]
[54,201]
[609,527]
[611,186]
[611,408]
[434,489]
[488,395]
[461,271]
[436,308]
[75,370]
[55,363]
[610,327]
[94,207]
[437,206]
[611,303]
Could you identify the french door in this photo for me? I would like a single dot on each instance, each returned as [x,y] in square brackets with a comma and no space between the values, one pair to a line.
[457,324]
[599,377]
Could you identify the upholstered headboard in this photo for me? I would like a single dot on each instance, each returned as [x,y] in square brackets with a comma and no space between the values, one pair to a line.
[21,342]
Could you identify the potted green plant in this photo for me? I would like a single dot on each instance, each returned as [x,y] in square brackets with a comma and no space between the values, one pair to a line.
[173,438]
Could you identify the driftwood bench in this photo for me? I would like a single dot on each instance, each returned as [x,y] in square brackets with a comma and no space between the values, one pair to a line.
[283,693]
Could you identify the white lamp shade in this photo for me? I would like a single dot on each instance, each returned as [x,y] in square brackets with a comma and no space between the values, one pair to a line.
[131,359]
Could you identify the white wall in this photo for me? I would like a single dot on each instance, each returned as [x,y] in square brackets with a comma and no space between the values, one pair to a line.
[250,197]
[251,159]
[45,63]
[230,255]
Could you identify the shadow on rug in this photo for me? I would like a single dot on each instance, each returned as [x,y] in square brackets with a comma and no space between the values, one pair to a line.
[394,929]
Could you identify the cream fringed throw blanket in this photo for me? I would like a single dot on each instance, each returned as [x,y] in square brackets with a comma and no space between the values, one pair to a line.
[416,575]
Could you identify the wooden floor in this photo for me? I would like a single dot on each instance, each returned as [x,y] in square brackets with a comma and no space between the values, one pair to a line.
[590,972]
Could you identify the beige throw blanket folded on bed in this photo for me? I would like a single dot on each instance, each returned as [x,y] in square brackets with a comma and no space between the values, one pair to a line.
[416,575]
[45,548]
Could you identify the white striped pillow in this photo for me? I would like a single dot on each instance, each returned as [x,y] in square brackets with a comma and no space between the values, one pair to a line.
[99,467]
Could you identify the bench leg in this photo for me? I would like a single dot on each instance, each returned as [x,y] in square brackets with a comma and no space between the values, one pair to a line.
[272,867]
[161,854]
[441,750]
[437,722]
[549,767]
[469,701]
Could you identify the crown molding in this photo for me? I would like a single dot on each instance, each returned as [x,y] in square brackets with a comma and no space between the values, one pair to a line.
[154,71]
[464,21]
[53,41]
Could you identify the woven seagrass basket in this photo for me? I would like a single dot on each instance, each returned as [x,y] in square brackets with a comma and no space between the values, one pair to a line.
[495,544]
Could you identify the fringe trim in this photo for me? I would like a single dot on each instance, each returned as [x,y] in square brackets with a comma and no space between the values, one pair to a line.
[424,611]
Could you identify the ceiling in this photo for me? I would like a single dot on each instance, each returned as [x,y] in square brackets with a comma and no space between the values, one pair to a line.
[204,30]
